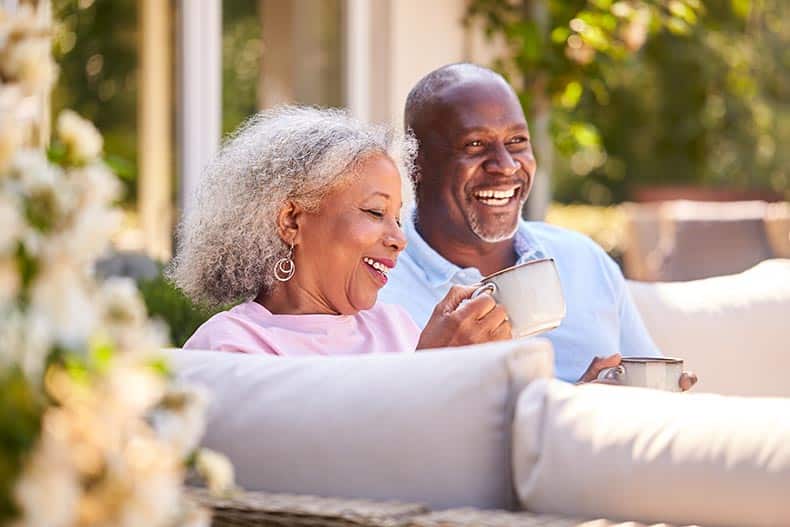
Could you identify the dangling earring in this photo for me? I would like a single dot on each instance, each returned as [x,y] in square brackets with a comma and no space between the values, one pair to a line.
[284,269]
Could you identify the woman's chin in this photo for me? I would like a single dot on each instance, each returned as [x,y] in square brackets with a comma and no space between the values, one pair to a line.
[362,304]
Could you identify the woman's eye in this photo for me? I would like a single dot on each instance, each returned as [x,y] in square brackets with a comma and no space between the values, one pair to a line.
[376,213]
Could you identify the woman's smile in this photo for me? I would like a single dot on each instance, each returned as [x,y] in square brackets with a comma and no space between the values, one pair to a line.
[379,267]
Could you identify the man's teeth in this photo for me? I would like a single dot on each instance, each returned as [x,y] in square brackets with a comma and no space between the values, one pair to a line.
[495,194]
[376,265]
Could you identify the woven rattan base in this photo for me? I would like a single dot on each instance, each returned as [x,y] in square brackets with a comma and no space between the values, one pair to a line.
[259,509]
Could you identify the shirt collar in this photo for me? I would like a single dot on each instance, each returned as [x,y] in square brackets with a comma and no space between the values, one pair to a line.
[438,270]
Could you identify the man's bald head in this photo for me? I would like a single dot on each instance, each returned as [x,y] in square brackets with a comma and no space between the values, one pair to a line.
[426,94]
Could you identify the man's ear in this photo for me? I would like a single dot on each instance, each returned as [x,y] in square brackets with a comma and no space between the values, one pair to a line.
[289,221]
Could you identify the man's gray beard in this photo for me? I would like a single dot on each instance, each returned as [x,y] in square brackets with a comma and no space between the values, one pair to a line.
[491,237]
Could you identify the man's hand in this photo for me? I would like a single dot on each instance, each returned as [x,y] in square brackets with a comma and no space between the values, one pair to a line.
[458,320]
[598,364]
[686,381]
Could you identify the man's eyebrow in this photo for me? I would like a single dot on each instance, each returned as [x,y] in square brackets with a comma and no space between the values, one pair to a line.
[517,127]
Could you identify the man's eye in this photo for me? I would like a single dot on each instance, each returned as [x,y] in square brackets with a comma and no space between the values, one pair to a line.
[519,139]
[474,144]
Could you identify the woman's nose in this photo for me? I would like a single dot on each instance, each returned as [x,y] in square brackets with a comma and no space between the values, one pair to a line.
[395,238]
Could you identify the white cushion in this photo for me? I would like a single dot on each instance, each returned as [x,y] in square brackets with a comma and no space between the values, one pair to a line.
[733,331]
[635,454]
[430,427]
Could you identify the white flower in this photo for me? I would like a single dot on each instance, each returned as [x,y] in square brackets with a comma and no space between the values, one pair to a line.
[9,279]
[24,340]
[87,237]
[96,183]
[11,220]
[83,142]
[216,470]
[48,491]
[29,62]
[59,296]
[10,138]
[136,389]
[195,516]
[180,419]
[51,197]
[120,302]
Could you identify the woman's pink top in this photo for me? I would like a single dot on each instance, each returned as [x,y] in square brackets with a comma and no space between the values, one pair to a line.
[251,328]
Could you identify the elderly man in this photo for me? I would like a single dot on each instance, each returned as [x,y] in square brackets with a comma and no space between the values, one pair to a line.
[472,175]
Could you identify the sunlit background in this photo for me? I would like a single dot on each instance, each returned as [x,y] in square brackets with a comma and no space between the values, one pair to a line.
[629,101]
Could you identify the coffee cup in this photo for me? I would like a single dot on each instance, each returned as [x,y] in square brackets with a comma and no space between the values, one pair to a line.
[659,373]
[531,294]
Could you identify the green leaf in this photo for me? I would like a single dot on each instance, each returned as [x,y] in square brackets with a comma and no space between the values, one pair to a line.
[741,8]
[683,11]
[560,34]
[571,95]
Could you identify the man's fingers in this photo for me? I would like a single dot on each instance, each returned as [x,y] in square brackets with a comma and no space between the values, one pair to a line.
[598,364]
[687,380]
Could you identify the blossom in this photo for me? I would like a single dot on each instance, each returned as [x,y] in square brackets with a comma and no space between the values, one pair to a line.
[180,418]
[12,221]
[29,62]
[48,491]
[10,138]
[96,184]
[59,297]
[9,279]
[81,139]
[216,470]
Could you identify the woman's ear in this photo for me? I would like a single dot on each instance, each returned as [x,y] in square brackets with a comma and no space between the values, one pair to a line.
[289,221]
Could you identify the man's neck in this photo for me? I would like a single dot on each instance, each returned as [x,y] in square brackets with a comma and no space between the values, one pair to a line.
[466,251]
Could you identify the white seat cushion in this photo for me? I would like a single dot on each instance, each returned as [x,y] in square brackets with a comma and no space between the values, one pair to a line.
[733,331]
[431,427]
[635,454]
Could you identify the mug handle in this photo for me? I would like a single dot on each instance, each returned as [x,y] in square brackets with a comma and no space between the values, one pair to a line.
[615,374]
[488,287]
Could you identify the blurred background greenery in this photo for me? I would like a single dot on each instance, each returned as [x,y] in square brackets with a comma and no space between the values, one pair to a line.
[636,94]
[698,96]
[683,92]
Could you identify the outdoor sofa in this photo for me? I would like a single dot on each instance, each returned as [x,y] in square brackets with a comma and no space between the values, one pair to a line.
[484,436]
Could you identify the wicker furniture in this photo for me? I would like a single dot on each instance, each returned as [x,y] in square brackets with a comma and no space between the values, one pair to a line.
[259,509]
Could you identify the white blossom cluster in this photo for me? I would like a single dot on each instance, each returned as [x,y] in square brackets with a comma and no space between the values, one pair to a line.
[116,436]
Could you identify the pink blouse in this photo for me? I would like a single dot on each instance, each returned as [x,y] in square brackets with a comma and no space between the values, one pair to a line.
[251,328]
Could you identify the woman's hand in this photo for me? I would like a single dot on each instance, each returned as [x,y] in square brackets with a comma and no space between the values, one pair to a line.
[458,320]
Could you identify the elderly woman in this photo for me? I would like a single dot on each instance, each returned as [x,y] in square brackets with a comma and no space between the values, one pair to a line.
[298,218]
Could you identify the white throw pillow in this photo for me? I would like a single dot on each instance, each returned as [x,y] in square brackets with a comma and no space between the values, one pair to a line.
[635,454]
[430,427]
[733,331]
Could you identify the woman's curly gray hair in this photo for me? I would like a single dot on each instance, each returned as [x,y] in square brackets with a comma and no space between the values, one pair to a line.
[228,242]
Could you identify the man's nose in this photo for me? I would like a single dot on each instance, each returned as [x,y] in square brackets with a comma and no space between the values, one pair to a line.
[501,161]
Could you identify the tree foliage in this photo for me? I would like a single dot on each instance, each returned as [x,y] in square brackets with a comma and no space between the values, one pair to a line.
[645,93]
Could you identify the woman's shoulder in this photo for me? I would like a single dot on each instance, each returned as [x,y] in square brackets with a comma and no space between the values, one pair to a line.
[235,329]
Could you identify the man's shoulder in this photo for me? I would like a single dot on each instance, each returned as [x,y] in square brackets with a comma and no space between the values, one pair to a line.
[554,237]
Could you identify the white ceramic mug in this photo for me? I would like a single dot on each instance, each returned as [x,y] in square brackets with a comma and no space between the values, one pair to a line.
[531,294]
[659,373]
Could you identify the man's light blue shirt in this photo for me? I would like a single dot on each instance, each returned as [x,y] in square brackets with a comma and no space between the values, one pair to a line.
[601,317]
